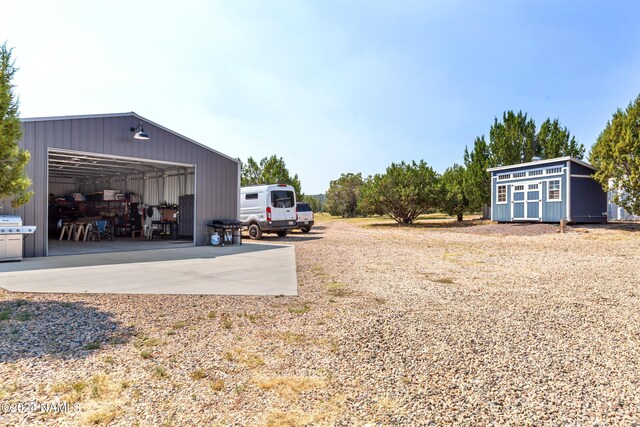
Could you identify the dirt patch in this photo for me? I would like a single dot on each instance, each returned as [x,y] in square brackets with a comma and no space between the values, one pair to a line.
[512,229]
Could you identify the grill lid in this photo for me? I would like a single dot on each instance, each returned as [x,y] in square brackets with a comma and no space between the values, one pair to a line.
[226,222]
[9,220]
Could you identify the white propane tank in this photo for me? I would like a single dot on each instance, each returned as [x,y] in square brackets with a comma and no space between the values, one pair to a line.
[215,239]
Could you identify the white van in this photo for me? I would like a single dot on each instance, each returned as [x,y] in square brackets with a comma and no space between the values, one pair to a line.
[268,209]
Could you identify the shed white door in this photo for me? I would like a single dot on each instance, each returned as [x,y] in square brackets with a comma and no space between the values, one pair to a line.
[526,203]
[534,201]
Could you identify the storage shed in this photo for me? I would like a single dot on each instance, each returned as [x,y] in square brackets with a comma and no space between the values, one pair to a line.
[547,191]
[121,167]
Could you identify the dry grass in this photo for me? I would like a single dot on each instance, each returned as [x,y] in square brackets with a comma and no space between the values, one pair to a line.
[293,338]
[290,387]
[97,387]
[299,309]
[198,374]
[245,357]
[338,289]
[217,384]
[287,419]
[102,417]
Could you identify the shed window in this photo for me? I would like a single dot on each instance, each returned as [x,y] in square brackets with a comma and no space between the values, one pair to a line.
[533,186]
[502,194]
[519,174]
[554,170]
[251,196]
[504,176]
[518,188]
[535,173]
[554,190]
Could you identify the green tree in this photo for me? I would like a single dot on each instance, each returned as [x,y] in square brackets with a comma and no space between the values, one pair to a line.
[270,170]
[454,200]
[553,140]
[314,202]
[513,140]
[343,195]
[616,154]
[14,182]
[404,191]
[251,173]
[477,181]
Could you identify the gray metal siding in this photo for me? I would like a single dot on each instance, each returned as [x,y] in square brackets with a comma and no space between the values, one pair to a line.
[217,186]
[588,200]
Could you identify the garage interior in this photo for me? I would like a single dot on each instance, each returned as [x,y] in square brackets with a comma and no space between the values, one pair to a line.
[100,203]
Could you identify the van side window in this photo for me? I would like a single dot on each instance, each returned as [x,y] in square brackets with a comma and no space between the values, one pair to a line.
[250,196]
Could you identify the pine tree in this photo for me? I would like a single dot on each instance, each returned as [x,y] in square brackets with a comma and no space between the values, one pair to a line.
[513,140]
[343,195]
[404,192]
[14,182]
[454,201]
[271,170]
[616,154]
[553,140]
[477,181]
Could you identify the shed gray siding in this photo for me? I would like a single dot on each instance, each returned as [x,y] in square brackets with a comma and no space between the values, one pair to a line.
[216,176]
[578,169]
[583,200]
[501,211]
[550,211]
[553,211]
[588,201]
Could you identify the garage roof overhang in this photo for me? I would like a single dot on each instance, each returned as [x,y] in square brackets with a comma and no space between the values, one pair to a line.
[130,114]
[82,166]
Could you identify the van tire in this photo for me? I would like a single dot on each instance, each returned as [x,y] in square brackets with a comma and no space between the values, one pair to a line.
[306,229]
[282,233]
[255,232]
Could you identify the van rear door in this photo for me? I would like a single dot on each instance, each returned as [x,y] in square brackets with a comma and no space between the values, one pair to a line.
[283,205]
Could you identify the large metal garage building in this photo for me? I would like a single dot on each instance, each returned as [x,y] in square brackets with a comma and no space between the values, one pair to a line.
[118,166]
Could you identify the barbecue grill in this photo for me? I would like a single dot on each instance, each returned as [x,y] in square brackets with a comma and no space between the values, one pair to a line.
[12,233]
[227,228]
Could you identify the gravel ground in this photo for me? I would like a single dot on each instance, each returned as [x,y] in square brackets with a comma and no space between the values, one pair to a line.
[393,326]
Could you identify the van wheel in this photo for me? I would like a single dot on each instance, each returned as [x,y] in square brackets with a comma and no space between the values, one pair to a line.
[306,229]
[282,233]
[255,233]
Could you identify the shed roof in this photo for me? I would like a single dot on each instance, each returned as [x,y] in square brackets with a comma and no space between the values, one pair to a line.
[129,114]
[542,162]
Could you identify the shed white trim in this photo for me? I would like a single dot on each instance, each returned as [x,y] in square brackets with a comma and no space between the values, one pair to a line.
[542,162]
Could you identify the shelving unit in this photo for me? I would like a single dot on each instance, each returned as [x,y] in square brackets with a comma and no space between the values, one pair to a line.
[123,213]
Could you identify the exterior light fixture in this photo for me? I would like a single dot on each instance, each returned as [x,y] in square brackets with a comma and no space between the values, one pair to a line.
[141,134]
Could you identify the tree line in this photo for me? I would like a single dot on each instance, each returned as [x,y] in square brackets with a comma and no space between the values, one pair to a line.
[405,190]
[408,190]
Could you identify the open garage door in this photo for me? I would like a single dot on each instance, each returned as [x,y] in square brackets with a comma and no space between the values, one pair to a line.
[100,203]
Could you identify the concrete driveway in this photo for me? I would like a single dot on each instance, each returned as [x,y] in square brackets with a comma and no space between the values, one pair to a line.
[250,269]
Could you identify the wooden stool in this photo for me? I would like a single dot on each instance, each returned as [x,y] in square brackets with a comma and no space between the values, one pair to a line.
[65,228]
[80,231]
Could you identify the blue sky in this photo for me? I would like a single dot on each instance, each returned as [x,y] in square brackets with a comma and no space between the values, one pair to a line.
[331,86]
